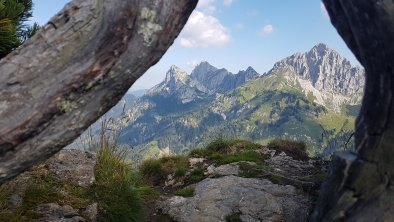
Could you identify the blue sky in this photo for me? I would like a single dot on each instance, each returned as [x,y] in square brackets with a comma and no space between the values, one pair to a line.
[235,34]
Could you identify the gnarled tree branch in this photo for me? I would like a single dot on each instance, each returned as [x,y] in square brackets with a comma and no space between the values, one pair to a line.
[75,69]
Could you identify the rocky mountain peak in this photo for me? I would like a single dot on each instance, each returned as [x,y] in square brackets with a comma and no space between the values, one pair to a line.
[326,69]
[321,48]
[249,73]
[175,74]
[203,68]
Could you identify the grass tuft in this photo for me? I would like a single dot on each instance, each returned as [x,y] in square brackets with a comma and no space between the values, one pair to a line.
[295,149]
[114,188]
[196,175]
[185,192]
[220,144]
[235,217]
[221,159]
[117,189]
[156,171]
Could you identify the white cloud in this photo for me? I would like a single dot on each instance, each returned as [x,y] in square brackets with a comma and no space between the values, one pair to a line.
[267,29]
[227,2]
[324,11]
[203,31]
[205,3]
[206,6]
[193,63]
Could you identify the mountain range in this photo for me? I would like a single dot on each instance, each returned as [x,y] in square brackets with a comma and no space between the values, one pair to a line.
[312,96]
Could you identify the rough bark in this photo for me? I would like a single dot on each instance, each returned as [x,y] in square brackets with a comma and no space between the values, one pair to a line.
[360,185]
[75,69]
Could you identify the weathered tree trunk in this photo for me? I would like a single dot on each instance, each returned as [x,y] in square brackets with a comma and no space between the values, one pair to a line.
[80,65]
[360,185]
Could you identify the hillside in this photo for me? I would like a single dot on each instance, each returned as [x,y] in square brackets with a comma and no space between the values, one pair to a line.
[226,181]
[312,96]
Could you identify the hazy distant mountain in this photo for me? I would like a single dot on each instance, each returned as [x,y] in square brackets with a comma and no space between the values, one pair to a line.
[139,92]
[312,96]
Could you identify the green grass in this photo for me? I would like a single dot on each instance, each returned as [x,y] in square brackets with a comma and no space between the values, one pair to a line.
[41,188]
[220,144]
[221,159]
[156,171]
[295,149]
[250,171]
[185,192]
[200,152]
[314,178]
[119,191]
[276,179]
[235,217]
[41,191]
[115,187]
[223,145]
[287,143]
[196,175]
[222,151]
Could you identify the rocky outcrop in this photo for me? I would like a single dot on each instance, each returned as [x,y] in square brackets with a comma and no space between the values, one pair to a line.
[253,199]
[76,167]
[283,188]
[54,191]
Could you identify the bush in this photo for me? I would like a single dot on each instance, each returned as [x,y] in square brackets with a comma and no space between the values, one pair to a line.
[295,149]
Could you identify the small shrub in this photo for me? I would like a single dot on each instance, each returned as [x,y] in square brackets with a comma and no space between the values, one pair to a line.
[185,192]
[295,149]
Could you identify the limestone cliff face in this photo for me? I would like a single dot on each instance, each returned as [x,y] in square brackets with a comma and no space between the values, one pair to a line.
[324,72]
[204,81]
[326,69]
[177,84]
[212,80]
